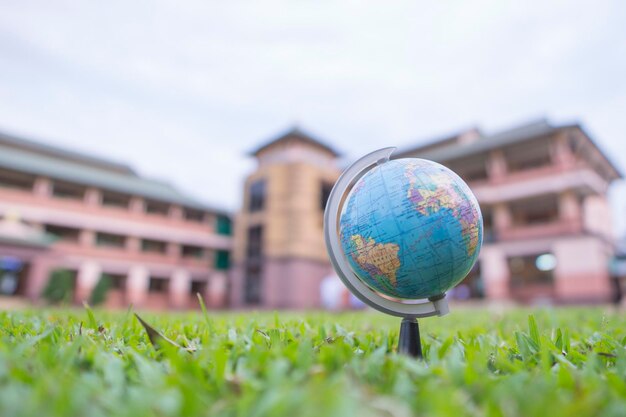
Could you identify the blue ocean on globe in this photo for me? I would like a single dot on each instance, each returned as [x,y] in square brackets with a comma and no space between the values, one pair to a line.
[411,229]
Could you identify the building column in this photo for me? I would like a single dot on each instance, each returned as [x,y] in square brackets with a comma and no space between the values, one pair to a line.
[42,187]
[582,270]
[38,275]
[180,284]
[176,212]
[133,244]
[88,276]
[136,205]
[137,284]
[496,165]
[502,219]
[570,211]
[93,196]
[87,238]
[495,274]
[211,220]
[173,250]
[560,152]
[597,216]
[217,290]
[569,207]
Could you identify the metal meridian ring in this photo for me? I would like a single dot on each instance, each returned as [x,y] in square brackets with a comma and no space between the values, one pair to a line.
[422,308]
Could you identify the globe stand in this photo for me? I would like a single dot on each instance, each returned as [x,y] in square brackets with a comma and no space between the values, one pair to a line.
[409,342]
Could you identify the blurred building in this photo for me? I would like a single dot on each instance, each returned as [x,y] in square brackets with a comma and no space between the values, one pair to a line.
[279,256]
[542,190]
[60,209]
[543,193]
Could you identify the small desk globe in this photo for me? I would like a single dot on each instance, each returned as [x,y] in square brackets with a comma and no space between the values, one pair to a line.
[400,233]
[410,229]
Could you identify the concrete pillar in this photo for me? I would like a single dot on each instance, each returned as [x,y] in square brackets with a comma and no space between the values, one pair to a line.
[502,219]
[93,197]
[495,273]
[87,238]
[176,212]
[42,187]
[89,274]
[217,296]
[597,216]
[496,165]
[137,284]
[570,211]
[180,284]
[173,250]
[569,207]
[582,270]
[133,244]
[38,275]
[136,205]
[560,152]
[211,220]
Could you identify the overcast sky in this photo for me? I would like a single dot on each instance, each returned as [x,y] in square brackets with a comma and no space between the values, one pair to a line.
[181,90]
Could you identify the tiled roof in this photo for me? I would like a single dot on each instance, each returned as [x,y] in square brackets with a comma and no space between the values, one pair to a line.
[77,170]
[28,145]
[453,150]
[298,134]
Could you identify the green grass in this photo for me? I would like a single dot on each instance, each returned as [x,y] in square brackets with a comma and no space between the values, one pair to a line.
[81,363]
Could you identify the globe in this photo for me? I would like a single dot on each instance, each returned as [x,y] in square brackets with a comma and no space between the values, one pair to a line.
[410,229]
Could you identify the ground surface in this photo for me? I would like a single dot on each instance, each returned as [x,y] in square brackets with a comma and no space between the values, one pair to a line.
[83,363]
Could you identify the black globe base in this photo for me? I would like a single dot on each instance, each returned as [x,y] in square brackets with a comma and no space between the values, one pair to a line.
[410,343]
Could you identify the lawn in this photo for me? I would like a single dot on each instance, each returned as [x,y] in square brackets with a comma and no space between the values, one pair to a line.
[563,362]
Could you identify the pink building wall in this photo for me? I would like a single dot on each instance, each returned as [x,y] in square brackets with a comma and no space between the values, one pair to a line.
[89,261]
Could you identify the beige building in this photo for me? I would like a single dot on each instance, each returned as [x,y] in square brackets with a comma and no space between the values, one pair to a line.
[279,255]
[542,190]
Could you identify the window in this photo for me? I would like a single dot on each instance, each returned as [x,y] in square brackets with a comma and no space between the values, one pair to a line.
[532,270]
[158,285]
[16,180]
[222,260]
[68,191]
[255,242]
[535,211]
[223,225]
[194,215]
[111,199]
[155,246]
[116,281]
[157,207]
[325,194]
[528,155]
[198,287]
[470,169]
[110,240]
[190,251]
[252,285]
[257,196]
[62,233]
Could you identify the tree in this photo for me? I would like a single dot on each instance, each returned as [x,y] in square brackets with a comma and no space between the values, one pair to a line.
[60,286]
[99,292]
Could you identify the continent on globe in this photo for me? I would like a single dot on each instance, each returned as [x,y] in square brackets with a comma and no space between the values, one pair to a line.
[445,193]
[378,259]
